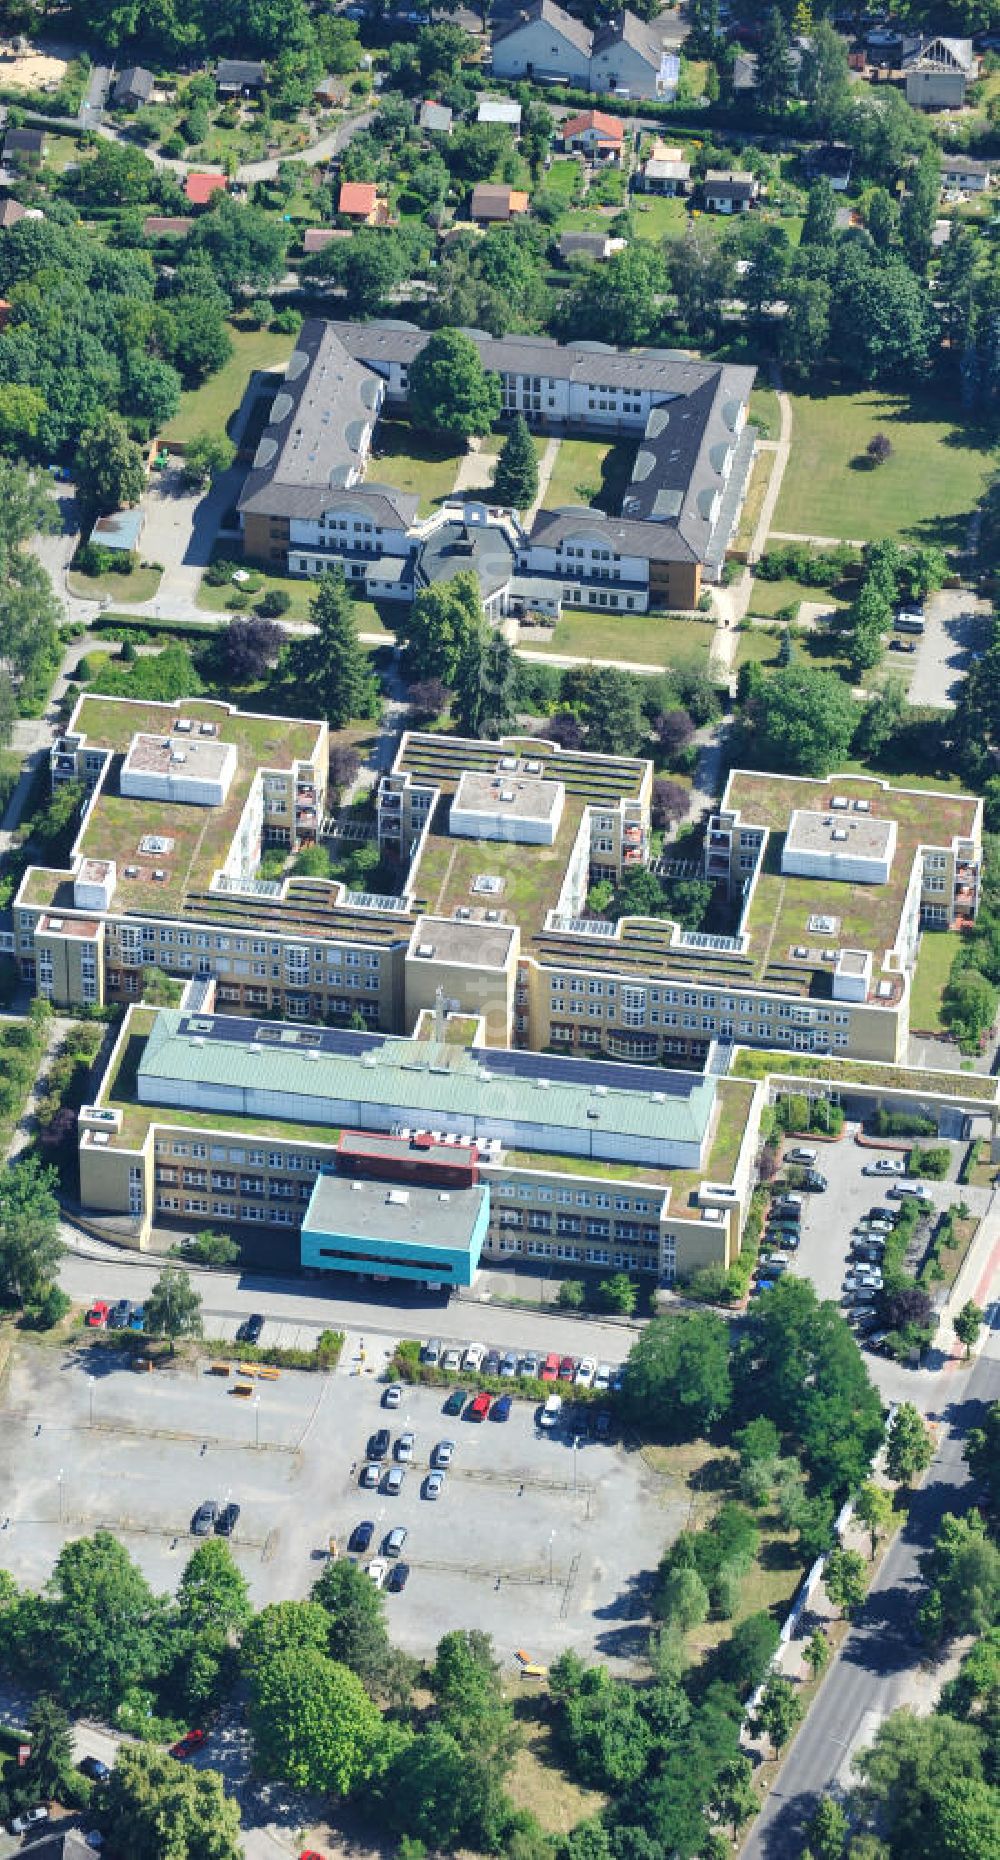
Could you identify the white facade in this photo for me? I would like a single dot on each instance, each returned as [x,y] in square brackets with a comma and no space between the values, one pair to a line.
[193,774]
[540,50]
[527,814]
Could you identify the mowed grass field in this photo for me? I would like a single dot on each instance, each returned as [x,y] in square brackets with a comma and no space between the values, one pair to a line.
[938,949]
[210,407]
[638,639]
[937,470]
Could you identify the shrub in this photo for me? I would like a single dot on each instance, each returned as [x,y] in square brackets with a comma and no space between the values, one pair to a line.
[932,1163]
[902,1124]
[572,1295]
[274,603]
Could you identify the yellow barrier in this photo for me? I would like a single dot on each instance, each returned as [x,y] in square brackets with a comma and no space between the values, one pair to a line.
[247,1369]
[220,1369]
[266,1372]
[244,1389]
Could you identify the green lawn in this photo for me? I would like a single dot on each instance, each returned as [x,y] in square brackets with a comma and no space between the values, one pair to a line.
[300,591]
[565,179]
[642,639]
[764,412]
[590,471]
[924,492]
[134,588]
[753,503]
[758,647]
[417,462]
[767,598]
[937,952]
[209,408]
[657,216]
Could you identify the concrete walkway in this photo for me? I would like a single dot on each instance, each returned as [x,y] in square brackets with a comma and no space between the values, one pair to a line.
[546,466]
[25,1127]
[782,448]
[820,542]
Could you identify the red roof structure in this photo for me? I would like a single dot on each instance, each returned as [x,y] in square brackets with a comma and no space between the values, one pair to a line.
[358,198]
[200,186]
[608,128]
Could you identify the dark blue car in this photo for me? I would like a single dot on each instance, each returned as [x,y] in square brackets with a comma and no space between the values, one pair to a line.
[501,1408]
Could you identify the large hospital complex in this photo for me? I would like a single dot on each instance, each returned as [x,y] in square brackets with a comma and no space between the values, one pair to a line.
[467,1064]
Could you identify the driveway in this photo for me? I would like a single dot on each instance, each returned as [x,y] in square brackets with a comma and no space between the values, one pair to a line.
[179,532]
[955,627]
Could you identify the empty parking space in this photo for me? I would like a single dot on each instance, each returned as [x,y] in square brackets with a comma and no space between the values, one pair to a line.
[544,1539]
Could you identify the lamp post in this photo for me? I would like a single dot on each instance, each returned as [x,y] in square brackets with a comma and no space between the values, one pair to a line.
[92,1380]
[60,1483]
[552,1539]
[256,1422]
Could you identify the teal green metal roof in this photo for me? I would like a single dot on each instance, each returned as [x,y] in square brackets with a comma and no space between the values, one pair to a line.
[430,1083]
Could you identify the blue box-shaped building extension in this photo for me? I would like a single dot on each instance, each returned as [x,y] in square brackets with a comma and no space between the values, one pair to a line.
[395,1231]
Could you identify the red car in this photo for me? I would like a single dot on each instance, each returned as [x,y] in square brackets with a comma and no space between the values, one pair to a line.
[479,1408]
[567,1369]
[186,1745]
[97,1316]
[309,1853]
[550,1368]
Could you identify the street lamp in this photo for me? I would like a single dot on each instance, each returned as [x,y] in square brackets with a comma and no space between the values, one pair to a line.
[256,1421]
[576,1443]
[60,1483]
[552,1539]
[92,1380]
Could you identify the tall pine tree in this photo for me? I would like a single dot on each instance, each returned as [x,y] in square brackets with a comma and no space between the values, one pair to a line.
[329,667]
[515,481]
[775,77]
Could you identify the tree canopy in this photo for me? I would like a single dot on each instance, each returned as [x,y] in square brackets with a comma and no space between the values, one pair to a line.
[449,390]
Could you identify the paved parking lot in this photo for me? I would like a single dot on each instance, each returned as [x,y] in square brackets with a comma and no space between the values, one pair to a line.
[827,1219]
[956,625]
[542,1543]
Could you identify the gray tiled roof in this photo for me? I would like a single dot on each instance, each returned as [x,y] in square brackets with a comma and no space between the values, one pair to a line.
[629,29]
[664,370]
[456,548]
[652,542]
[546,10]
[312,441]
[239,71]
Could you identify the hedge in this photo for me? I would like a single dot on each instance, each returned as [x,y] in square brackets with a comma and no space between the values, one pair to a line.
[407,1367]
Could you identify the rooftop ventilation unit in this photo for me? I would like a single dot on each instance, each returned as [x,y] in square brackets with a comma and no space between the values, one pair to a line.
[198,1041]
[543,1084]
[183,726]
[444,1196]
[533,768]
[840,833]
[178,755]
[862,807]
[658,1097]
[506,794]
[100,1136]
[398,1198]
[884,991]
[600,1091]
[425,951]
[463,913]
[207,729]
[840,801]
[508,762]
[367,1059]
[159,874]
[492,917]
[55,923]
[131,871]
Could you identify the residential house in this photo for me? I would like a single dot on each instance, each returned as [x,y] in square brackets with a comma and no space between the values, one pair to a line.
[132,88]
[938,74]
[358,201]
[10,212]
[329,91]
[833,162]
[593,133]
[25,148]
[435,119]
[543,43]
[973,177]
[596,246]
[120,531]
[201,186]
[725,191]
[888,47]
[239,77]
[664,171]
[502,110]
[547,45]
[493,200]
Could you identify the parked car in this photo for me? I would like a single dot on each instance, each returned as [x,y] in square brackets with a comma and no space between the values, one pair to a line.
[251,1327]
[617,1379]
[550,1368]
[361,1537]
[501,1408]
[120,1315]
[529,1366]
[95,1768]
[910,1191]
[22,1824]
[567,1369]
[398,1577]
[473,1356]
[508,1364]
[137,1321]
[204,1518]
[228,1519]
[405,1445]
[801,1155]
[186,1745]
[455,1402]
[451,1360]
[491,1363]
[97,1316]
[378,1569]
[370,1474]
[885,1165]
[394,1481]
[902,645]
[431,1352]
[393,1397]
[394,1541]
[586,1370]
[378,1445]
[551,1413]
[443,1453]
[479,1407]
[434,1485]
[815,1183]
[602,1379]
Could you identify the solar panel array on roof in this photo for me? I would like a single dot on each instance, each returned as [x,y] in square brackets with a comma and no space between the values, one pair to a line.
[584,1072]
[240,1031]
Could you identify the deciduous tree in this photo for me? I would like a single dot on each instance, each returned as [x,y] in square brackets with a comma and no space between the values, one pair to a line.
[873,1508]
[449,389]
[151,1804]
[677,1375]
[173,1308]
[908,1448]
[845,1579]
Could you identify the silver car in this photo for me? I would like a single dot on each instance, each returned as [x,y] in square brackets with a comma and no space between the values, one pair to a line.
[434,1485]
[443,1452]
[404,1447]
[394,1481]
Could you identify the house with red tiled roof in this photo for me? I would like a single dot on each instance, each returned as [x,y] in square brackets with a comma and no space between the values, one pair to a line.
[359,201]
[200,186]
[594,134]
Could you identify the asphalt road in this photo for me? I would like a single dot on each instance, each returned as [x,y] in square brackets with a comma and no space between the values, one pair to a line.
[874,1672]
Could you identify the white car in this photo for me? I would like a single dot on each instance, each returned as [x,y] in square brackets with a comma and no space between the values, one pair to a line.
[473,1356]
[886,1165]
[393,1397]
[585,1372]
[602,1380]
[22,1824]
[452,1359]
[404,1447]
[434,1485]
[444,1453]
[378,1569]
